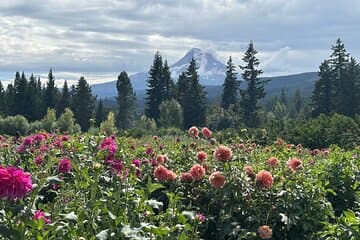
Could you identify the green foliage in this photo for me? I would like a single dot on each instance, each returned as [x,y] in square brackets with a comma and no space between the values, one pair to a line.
[66,122]
[65,100]
[170,114]
[231,86]
[254,87]
[12,125]
[51,93]
[49,121]
[83,104]
[126,101]
[108,126]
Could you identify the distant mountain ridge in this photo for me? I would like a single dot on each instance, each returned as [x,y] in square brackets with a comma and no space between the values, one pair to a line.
[212,75]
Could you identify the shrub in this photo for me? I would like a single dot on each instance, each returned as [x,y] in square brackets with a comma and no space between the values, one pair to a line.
[49,120]
[108,126]
[14,124]
[170,114]
[66,122]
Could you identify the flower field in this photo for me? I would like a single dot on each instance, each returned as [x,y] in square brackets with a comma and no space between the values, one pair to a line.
[175,187]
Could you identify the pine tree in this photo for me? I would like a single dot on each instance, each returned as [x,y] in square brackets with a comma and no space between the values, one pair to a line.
[348,101]
[231,86]
[155,89]
[83,104]
[283,97]
[167,82]
[51,92]
[254,89]
[2,100]
[20,85]
[298,102]
[10,95]
[100,113]
[323,94]
[126,101]
[194,99]
[181,87]
[34,111]
[64,101]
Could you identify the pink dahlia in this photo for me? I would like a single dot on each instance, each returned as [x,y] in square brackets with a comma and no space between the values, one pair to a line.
[294,164]
[197,172]
[217,180]
[15,183]
[206,132]
[222,153]
[273,161]
[186,177]
[161,173]
[64,165]
[41,215]
[201,156]
[264,179]
[265,232]
[193,131]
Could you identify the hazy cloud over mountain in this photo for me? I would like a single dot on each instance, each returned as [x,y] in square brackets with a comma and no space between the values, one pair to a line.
[109,35]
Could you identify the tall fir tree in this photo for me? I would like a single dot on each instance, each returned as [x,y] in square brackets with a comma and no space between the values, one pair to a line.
[194,99]
[348,92]
[323,94]
[10,95]
[20,85]
[167,83]
[65,99]
[83,104]
[254,89]
[2,100]
[51,92]
[126,101]
[100,114]
[181,87]
[34,110]
[283,97]
[230,87]
[154,89]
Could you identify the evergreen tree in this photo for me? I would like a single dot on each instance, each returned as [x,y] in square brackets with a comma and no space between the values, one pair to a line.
[155,88]
[100,113]
[64,101]
[231,86]
[168,84]
[181,87]
[83,104]
[348,92]
[51,92]
[34,111]
[2,100]
[254,89]
[20,85]
[339,60]
[194,99]
[298,103]
[126,101]
[10,95]
[323,97]
[283,97]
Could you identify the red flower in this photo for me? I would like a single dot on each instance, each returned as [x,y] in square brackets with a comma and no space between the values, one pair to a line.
[265,232]
[193,131]
[217,180]
[15,183]
[197,172]
[273,161]
[294,164]
[223,153]
[265,179]
[206,132]
[186,177]
[64,166]
[201,156]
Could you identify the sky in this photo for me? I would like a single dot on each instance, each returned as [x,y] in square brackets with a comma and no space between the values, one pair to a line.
[100,38]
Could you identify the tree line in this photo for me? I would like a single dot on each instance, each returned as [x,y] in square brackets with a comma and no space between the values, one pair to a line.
[183,103]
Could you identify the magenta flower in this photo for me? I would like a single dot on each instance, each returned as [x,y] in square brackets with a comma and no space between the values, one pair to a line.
[38,215]
[15,183]
[64,166]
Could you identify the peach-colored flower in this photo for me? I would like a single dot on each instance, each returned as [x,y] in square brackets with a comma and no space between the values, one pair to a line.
[264,179]
[273,161]
[201,156]
[161,173]
[249,171]
[161,159]
[294,164]
[197,172]
[193,131]
[186,177]
[265,232]
[222,153]
[206,132]
[217,180]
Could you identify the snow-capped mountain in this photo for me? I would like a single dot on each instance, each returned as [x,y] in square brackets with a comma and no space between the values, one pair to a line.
[211,70]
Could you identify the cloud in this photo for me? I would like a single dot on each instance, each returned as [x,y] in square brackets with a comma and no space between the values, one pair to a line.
[112,35]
